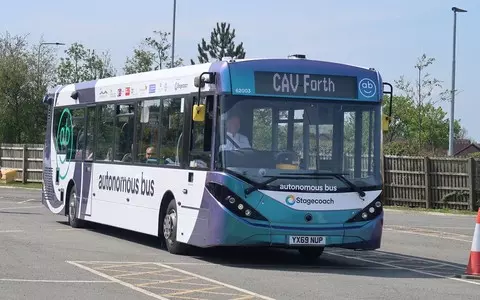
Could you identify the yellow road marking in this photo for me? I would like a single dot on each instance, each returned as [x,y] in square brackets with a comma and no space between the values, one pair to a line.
[192,291]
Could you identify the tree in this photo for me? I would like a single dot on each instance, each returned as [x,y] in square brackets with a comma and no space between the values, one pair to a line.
[417,118]
[221,45]
[82,64]
[152,54]
[24,75]
[142,61]
[404,130]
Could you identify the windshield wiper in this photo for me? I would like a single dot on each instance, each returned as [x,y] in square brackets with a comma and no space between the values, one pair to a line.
[339,176]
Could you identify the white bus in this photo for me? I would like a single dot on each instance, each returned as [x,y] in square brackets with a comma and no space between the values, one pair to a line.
[257,152]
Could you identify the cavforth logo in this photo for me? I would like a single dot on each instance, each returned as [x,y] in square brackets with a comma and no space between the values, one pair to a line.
[290,200]
[367,88]
[64,143]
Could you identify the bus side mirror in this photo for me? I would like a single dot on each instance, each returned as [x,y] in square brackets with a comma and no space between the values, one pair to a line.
[198,113]
[386,122]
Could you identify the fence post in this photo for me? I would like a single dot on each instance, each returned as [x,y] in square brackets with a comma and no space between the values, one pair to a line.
[472,201]
[428,198]
[24,164]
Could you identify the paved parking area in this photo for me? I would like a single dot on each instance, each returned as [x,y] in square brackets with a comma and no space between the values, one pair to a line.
[163,281]
[41,257]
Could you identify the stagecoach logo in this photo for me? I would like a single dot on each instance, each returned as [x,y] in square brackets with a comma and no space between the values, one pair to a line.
[291,200]
[180,86]
[64,142]
[367,88]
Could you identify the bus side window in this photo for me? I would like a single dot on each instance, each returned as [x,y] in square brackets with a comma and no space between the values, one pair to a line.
[124,133]
[105,131]
[79,137]
[171,131]
[90,131]
[147,122]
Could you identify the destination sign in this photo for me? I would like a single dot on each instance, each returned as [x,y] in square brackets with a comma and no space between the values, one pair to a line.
[308,85]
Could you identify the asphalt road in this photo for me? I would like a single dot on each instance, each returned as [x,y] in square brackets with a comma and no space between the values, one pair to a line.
[43,258]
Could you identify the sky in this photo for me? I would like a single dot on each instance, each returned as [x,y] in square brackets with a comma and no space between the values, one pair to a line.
[386,35]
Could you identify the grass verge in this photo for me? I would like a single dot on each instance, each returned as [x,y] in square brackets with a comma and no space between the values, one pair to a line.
[29,185]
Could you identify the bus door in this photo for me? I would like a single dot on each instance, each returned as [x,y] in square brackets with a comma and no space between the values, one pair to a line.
[87,167]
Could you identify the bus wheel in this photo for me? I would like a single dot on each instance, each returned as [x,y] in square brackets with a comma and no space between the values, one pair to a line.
[72,210]
[311,253]
[170,230]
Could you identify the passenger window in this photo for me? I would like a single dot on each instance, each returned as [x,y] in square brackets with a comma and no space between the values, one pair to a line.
[90,132]
[148,131]
[172,131]
[79,135]
[124,133]
[105,133]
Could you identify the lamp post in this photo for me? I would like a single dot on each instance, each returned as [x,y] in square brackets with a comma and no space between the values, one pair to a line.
[38,59]
[173,33]
[452,103]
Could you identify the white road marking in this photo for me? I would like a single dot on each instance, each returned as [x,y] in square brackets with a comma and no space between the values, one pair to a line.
[134,263]
[9,231]
[403,258]
[432,213]
[437,234]
[26,201]
[431,226]
[406,269]
[55,281]
[126,284]
[215,281]
[20,207]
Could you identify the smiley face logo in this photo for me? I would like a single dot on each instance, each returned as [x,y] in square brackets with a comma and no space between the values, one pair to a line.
[367,88]
[64,142]
[290,200]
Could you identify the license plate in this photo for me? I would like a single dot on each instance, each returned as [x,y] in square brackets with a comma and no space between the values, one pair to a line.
[306,240]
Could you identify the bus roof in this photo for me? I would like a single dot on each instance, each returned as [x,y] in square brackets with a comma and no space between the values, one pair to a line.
[180,81]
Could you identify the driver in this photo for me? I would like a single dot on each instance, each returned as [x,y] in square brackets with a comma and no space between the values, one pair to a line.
[239,140]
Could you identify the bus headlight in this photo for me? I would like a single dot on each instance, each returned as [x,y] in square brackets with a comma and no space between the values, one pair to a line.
[370,212]
[233,202]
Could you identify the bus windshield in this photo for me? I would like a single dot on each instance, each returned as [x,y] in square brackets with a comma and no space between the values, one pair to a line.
[297,143]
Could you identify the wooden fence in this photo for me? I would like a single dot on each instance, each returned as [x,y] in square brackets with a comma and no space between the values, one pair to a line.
[426,182]
[432,182]
[26,159]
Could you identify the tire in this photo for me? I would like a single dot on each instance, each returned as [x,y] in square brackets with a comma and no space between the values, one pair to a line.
[311,253]
[73,221]
[169,230]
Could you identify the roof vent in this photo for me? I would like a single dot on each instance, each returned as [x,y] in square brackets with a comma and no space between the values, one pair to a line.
[297,56]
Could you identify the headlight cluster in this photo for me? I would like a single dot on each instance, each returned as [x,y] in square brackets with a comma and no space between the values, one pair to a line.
[368,213]
[233,202]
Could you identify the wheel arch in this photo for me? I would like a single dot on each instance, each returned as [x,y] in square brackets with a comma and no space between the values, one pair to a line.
[167,197]
[71,184]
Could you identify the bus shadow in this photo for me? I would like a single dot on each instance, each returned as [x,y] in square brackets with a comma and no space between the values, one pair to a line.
[333,261]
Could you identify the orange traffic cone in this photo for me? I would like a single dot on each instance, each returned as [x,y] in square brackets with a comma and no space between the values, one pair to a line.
[473,267]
